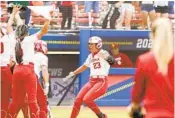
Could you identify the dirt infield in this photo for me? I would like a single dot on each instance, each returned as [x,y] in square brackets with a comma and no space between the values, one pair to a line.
[64,112]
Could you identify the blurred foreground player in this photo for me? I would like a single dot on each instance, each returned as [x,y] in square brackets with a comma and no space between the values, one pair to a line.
[7,43]
[154,79]
[99,62]
[24,79]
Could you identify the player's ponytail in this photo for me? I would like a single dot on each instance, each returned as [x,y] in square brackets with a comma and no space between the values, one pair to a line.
[162,36]
[21,32]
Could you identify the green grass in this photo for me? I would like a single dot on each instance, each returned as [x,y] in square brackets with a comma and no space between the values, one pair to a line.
[64,112]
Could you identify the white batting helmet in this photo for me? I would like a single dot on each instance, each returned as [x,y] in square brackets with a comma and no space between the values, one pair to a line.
[97,40]
[41,46]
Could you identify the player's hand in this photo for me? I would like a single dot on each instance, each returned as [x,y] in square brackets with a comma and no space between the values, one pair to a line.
[117,5]
[46,88]
[136,111]
[71,75]
[16,8]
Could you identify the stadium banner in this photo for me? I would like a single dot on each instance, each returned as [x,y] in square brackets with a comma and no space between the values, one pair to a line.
[127,40]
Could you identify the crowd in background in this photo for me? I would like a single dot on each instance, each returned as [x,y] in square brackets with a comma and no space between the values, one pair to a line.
[94,14]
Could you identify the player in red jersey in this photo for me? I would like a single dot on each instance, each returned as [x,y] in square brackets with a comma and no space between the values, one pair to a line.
[121,59]
[154,78]
[24,79]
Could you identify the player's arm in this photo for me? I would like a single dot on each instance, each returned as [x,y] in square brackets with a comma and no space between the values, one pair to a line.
[79,70]
[106,56]
[138,91]
[45,74]
[110,59]
[16,8]
[44,29]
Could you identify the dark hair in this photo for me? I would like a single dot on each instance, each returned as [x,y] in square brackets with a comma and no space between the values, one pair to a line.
[21,31]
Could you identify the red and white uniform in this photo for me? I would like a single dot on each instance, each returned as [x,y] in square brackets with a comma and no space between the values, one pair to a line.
[98,66]
[7,47]
[28,48]
[40,60]
[24,80]
[97,85]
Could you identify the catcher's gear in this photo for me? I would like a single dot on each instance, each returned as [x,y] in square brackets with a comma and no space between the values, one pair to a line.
[18,52]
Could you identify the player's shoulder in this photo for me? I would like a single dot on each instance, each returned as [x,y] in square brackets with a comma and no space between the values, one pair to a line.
[30,37]
[104,51]
[146,56]
[41,55]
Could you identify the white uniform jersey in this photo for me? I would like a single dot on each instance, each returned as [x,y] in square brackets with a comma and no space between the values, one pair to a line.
[98,65]
[7,48]
[40,60]
[27,46]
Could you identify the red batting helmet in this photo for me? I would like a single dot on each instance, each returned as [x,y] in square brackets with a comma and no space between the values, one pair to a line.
[41,46]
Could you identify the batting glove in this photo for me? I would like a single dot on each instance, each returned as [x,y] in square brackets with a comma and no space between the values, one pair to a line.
[71,75]
[46,88]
